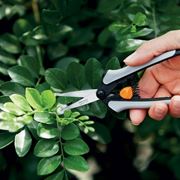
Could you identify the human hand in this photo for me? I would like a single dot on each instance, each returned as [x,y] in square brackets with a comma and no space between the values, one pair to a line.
[160,80]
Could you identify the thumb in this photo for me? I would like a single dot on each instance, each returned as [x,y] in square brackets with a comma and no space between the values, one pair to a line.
[153,48]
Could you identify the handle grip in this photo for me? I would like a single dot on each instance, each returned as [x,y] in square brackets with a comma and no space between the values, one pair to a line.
[118,106]
[113,75]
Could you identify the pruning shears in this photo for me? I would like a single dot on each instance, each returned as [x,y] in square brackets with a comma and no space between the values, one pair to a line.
[116,89]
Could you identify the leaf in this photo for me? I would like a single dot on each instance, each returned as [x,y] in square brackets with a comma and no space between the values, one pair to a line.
[7,58]
[113,63]
[70,132]
[129,45]
[44,117]
[47,132]
[77,163]
[56,176]
[76,147]
[105,6]
[56,78]
[12,108]
[65,62]
[8,88]
[142,32]
[57,50]
[81,37]
[21,75]
[26,119]
[21,102]
[51,16]
[11,126]
[93,72]
[34,98]
[6,116]
[76,75]
[21,26]
[10,43]
[98,109]
[22,143]
[48,99]
[31,63]
[46,148]
[48,165]
[140,19]
[6,139]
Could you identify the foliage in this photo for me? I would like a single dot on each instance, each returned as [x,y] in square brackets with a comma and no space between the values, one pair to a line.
[64,45]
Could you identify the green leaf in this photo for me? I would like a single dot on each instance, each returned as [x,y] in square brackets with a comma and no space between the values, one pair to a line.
[7,58]
[70,132]
[6,116]
[65,62]
[48,99]
[12,108]
[93,72]
[8,88]
[76,147]
[129,45]
[22,143]
[44,117]
[51,16]
[6,139]
[142,32]
[77,163]
[34,98]
[26,119]
[105,6]
[57,50]
[48,165]
[21,26]
[56,176]
[81,37]
[11,126]
[21,75]
[10,43]
[113,63]
[21,102]
[140,19]
[47,132]
[46,148]
[3,69]
[56,78]
[76,75]
[31,63]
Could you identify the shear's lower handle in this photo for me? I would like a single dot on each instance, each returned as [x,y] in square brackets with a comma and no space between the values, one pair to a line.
[118,106]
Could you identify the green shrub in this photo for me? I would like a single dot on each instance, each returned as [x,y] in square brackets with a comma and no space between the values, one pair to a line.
[64,45]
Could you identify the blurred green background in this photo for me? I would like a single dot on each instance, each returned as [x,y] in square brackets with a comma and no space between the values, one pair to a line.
[59,32]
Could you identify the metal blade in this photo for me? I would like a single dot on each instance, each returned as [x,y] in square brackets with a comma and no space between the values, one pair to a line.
[86,100]
[82,93]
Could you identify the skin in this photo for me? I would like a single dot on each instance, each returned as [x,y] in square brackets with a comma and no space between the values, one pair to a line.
[160,80]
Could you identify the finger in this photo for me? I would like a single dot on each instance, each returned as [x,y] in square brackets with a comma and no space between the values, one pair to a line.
[159,109]
[145,91]
[174,86]
[137,116]
[174,106]
[154,47]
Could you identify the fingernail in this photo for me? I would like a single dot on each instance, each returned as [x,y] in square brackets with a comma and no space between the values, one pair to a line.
[135,124]
[130,57]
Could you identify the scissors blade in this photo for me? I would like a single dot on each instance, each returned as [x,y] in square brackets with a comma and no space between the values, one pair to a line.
[81,93]
[84,101]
